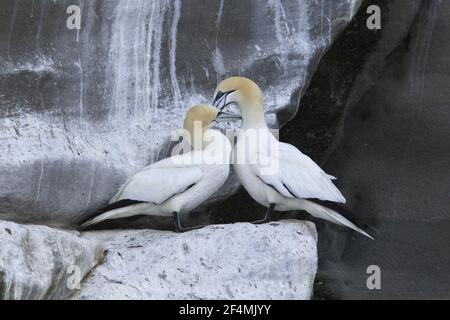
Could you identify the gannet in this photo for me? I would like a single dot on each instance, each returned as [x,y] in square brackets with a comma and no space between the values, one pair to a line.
[276,174]
[176,185]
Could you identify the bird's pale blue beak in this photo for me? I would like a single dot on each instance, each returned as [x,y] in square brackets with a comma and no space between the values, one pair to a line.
[227,117]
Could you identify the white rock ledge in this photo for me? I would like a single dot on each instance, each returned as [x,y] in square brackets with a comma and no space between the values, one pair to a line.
[36,262]
[235,261]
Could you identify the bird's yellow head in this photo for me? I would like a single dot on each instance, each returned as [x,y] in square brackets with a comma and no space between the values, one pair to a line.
[197,120]
[242,92]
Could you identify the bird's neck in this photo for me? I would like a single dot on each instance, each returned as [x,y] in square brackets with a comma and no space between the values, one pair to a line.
[195,137]
[253,117]
[217,147]
[211,139]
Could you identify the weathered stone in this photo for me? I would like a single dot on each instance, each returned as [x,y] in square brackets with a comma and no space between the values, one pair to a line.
[235,261]
[37,262]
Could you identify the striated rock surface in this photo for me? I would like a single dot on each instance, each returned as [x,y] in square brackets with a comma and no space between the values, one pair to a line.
[236,261]
[37,262]
[83,109]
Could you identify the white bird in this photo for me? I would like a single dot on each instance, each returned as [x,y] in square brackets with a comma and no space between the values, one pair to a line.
[276,174]
[178,184]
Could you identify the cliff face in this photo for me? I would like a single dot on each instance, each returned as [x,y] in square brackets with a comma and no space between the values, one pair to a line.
[83,109]
[393,166]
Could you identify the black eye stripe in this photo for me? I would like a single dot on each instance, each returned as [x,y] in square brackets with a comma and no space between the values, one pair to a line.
[221,97]
[219,94]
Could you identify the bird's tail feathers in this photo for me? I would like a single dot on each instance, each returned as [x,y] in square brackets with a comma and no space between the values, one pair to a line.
[120,209]
[102,217]
[332,215]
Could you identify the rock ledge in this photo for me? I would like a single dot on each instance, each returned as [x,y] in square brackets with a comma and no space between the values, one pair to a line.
[235,261]
[38,262]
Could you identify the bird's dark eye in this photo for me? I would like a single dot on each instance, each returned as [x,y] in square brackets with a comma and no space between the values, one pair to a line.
[219,95]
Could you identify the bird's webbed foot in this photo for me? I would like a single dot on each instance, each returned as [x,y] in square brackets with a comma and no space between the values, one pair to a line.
[179,228]
[268,216]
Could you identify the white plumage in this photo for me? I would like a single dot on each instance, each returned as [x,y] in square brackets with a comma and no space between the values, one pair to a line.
[177,184]
[298,176]
[277,175]
[160,181]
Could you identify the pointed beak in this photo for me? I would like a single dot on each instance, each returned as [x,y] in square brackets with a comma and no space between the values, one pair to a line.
[227,117]
[221,98]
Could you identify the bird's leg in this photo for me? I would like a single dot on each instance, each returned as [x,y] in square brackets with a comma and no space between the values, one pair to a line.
[268,215]
[176,222]
[179,228]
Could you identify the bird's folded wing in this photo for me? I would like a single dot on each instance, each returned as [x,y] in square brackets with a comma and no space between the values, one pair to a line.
[158,184]
[295,175]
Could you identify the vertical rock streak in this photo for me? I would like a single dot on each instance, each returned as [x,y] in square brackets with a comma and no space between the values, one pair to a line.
[137,57]
[173,53]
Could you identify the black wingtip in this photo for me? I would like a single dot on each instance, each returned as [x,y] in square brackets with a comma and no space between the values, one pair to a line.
[112,206]
[345,212]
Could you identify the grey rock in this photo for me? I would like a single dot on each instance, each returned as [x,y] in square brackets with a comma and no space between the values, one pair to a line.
[345,74]
[37,262]
[82,110]
[235,261]
[393,166]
